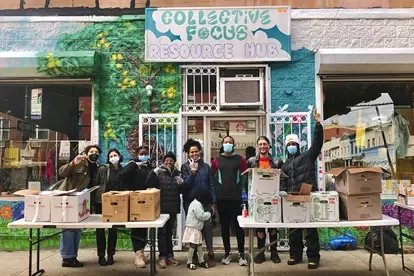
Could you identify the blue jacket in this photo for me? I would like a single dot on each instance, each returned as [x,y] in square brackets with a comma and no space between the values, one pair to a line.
[193,182]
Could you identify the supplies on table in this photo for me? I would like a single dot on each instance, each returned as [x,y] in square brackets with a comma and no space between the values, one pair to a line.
[357,180]
[324,206]
[115,206]
[145,205]
[36,205]
[263,195]
[360,207]
[296,206]
[71,206]
[406,194]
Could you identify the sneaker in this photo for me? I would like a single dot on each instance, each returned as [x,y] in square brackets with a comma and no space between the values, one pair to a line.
[144,256]
[313,265]
[71,262]
[275,257]
[292,261]
[242,260]
[191,266]
[139,259]
[204,265]
[172,261]
[260,258]
[162,263]
[226,259]
[211,261]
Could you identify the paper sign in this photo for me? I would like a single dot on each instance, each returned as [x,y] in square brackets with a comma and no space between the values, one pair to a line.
[36,104]
[64,151]
[82,145]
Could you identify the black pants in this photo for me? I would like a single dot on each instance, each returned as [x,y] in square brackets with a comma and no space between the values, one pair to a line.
[262,242]
[228,211]
[101,239]
[312,244]
[165,244]
[138,238]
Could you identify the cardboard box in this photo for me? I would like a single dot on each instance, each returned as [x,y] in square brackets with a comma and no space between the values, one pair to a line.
[71,206]
[405,194]
[325,206]
[296,206]
[357,181]
[264,182]
[115,206]
[265,209]
[145,205]
[37,207]
[360,207]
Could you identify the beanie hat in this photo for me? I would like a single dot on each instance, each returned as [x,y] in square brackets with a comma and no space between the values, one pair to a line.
[292,138]
[170,155]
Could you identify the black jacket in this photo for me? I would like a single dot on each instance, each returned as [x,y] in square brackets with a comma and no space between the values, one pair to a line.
[133,177]
[101,180]
[300,168]
[166,181]
[275,163]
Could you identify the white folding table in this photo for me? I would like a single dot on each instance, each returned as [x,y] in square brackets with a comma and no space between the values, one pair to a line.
[402,235]
[249,224]
[93,222]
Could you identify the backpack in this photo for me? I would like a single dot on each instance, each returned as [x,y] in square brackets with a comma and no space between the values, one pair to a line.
[390,240]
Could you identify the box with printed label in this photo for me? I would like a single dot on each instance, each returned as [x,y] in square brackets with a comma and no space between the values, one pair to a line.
[360,207]
[325,206]
[115,206]
[296,206]
[71,206]
[264,182]
[37,205]
[145,205]
[357,180]
[265,209]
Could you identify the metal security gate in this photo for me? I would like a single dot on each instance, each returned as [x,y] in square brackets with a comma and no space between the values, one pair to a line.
[162,133]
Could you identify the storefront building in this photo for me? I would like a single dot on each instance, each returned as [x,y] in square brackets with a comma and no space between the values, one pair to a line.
[169,75]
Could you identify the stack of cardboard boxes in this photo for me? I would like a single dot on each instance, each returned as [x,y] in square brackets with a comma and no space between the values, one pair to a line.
[359,190]
[406,193]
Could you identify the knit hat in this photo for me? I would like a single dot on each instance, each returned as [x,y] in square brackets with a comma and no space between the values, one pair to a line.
[292,138]
[170,155]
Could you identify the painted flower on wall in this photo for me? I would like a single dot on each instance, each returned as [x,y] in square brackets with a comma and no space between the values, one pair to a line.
[6,212]
[18,210]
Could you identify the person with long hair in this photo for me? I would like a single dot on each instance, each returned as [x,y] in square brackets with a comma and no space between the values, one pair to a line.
[107,179]
[197,175]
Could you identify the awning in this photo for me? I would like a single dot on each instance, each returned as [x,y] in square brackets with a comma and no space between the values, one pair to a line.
[365,61]
[48,64]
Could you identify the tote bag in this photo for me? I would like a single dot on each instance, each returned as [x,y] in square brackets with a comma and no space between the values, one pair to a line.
[26,156]
[11,157]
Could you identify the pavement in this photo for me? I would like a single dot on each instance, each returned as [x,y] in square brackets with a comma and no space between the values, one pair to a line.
[337,263]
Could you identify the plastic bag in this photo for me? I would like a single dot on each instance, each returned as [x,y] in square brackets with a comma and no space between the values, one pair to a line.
[347,242]
[390,241]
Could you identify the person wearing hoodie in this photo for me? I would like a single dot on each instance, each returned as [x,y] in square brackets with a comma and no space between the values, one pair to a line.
[107,179]
[197,176]
[265,160]
[228,168]
[300,168]
[133,177]
[168,180]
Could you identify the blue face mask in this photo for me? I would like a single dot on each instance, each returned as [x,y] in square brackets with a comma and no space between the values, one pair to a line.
[143,158]
[292,149]
[228,147]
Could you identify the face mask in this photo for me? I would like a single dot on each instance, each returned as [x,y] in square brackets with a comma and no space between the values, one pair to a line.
[93,157]
[143,158]
[114,160]
[228,147]
[292,149]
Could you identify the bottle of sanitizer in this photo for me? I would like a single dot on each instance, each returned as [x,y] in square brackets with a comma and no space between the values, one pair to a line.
[245,211]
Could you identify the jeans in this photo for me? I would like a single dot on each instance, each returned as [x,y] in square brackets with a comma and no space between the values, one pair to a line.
[101,239]
[69,243]
[165,244]
[207,230]
[312,244]
[228,211]
[139,238]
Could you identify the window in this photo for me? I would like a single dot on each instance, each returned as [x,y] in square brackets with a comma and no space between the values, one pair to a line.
[40,134]
[4,129]
[373,142]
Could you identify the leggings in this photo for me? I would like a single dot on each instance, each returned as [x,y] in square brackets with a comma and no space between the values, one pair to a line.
[193,248]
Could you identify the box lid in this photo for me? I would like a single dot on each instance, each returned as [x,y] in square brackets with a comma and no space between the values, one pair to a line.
[269,170]
[116,193]
[355,170]
[147,191]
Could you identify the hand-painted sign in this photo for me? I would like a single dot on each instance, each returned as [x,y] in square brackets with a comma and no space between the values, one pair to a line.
[217,34]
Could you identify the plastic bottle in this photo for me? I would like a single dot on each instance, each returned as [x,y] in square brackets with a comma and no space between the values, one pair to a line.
[245,211]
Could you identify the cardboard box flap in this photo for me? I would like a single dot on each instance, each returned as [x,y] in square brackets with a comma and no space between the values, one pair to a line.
[297,198]
[62,193]
[365,169]
[264,171]
[115,193]
[305,189]
[26,192]
[336,171]
[147,191]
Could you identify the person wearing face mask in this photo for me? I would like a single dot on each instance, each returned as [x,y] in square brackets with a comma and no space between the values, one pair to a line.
[300,168]
[79,174]
[197,175]
[227,169]
[265,160]
[133,177]
[107,179]
[168,180]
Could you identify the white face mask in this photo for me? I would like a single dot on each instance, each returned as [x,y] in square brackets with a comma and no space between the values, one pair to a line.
[114,160]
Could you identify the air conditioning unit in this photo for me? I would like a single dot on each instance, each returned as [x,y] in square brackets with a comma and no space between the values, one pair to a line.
[241,92]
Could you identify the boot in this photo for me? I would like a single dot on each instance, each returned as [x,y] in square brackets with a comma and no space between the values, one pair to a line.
[139,259]
[274,256]
[260,258]
[102,261]
[110,260]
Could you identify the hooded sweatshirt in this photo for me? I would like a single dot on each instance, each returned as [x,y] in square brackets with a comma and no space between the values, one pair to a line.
[230,182]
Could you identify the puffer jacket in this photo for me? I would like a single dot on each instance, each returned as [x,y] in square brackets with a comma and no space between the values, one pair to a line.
[300,168]
[275,163]
[133,176]
[164,180]
[203,178]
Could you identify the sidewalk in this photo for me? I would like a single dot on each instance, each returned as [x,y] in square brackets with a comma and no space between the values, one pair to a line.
[338,263]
